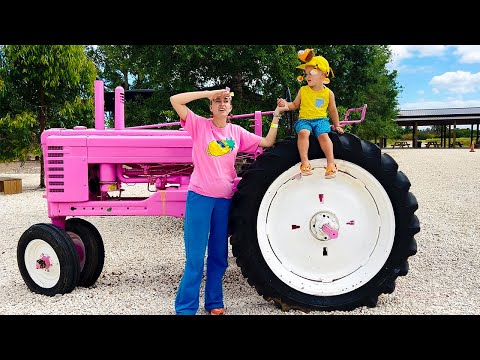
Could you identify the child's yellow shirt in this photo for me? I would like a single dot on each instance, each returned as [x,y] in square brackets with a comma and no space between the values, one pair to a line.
[313,104]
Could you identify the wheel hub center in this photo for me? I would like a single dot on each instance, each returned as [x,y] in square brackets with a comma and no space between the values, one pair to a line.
[43,263]
[324,226]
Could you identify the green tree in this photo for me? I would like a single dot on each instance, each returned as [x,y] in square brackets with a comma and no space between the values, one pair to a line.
[361,78]
[257,74]
[51,83]
[15,125]
[135,67]
[437,129]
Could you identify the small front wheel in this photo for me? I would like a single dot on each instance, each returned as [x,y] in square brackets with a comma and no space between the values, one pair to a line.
[89,245]
[47,260]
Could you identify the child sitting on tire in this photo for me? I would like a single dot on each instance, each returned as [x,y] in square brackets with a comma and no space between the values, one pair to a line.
[314,100]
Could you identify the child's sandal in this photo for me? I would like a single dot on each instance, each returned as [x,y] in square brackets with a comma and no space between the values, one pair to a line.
[331,171]
[306,169]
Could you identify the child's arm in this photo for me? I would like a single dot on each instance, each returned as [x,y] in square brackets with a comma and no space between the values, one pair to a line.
[292,105]
[332,110]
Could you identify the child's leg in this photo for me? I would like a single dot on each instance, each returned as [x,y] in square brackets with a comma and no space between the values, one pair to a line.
[303,128]
[327,148]
[303,144]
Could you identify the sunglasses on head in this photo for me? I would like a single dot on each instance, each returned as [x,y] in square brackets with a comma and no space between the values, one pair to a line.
[311,72]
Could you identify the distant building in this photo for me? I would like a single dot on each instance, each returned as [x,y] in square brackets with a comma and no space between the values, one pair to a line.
[447,117]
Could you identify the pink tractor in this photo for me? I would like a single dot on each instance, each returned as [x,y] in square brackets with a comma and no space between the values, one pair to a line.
[305,243]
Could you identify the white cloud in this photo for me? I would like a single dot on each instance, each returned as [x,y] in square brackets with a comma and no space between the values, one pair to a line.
[450,103]
[468,54]
[460,82]
[400,52]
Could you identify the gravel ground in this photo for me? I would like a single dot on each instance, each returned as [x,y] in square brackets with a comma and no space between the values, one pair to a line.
[144,255]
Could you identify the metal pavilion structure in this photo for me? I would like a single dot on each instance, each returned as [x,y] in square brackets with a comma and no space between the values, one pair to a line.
[447,118]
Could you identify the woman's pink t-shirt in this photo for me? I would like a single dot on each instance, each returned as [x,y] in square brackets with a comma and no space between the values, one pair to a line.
[214,152]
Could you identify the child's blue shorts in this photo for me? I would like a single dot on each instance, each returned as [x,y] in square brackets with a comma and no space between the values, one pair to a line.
[317,126]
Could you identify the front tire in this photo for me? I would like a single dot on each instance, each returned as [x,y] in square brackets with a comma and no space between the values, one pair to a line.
[89,246]
[311,243]
[47,260]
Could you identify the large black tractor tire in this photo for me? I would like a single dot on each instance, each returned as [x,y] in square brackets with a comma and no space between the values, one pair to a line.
[90,248]
[310,243]
[47,260]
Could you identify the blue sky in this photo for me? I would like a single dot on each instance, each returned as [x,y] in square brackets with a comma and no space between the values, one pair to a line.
[437,76]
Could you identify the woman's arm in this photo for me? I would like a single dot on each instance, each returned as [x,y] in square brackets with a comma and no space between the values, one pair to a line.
[180,101]
[271,136]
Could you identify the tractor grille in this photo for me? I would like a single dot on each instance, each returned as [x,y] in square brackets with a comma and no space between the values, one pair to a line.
[55,169]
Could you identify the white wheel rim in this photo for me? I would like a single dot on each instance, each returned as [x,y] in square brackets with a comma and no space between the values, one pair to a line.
[358,208]
[42,263]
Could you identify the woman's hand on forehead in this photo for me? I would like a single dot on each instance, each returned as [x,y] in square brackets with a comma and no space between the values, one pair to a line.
[223,93]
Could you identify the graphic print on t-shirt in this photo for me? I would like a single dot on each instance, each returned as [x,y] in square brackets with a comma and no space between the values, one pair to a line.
[319,102]
[220,147]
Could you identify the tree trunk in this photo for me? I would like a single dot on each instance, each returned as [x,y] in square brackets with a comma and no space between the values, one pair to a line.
[237,85]
[42,121]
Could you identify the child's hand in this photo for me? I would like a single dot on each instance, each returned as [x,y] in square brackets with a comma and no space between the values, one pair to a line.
[339,129]
[281,102]
[282,106]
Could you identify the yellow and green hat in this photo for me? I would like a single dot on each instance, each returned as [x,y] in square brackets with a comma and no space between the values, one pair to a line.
[319,62]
